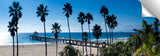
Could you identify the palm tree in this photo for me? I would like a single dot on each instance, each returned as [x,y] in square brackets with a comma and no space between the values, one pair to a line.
[88,18]
[69,50]
[112,23]
[108,20]
[156,32]
[42,12]
[81,19]
[56,29]
[148,39]
[68,11]
[97,33]
[16,14]
[104,12]
[12,32]
[85,39]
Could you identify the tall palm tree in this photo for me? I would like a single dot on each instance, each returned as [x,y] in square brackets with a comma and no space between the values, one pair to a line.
[42,12]
[68,11]
[16,14]
[89,17]
[104,12]
[85,39]
[97,33]
[56,29]
[12,32]
[112,23]
[108,20]
[81,19]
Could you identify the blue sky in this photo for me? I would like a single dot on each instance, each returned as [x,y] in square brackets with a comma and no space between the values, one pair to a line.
[128,14]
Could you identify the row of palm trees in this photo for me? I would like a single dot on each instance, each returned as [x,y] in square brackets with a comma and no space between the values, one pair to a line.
[109,20]
[82,18]
[112,23]
[16,14]
[42,12]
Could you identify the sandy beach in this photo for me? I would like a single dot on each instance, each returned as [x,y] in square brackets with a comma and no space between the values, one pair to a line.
[37,50]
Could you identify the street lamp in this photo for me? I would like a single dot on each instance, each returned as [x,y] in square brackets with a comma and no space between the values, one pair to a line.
[103,46]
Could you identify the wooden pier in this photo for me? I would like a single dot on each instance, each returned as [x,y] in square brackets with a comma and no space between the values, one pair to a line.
[62,40]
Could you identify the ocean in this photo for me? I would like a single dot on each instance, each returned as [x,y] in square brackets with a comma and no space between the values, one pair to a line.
[6,39]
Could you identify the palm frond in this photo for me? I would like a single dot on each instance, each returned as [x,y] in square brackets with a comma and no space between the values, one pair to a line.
[89,17]
[11,9]
[19,8]
[97,31]
[104,11]
[42,12]
[67,9]
[55,28]
[15,5]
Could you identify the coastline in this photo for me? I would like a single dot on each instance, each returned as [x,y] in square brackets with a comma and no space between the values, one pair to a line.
[38,49]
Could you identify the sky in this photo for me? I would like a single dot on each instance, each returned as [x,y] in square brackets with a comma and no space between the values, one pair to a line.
[128,13]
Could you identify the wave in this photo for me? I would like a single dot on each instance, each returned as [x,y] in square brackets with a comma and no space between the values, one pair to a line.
[21,44]
[114,39]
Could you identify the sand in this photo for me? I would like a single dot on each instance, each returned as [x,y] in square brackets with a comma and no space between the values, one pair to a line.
[38,50]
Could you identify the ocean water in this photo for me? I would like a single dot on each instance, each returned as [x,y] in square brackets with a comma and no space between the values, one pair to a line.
[6,39]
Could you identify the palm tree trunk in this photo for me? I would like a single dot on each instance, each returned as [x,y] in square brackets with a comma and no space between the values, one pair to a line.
[69,31]
[13,45]
[97,48]
[110,35]
[82,38]
[89,37]
[45,39]
[17,39]
[106,29]
[56,47]
[86,44]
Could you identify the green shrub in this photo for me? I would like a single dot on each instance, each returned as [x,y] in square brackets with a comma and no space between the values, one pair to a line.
[69,50]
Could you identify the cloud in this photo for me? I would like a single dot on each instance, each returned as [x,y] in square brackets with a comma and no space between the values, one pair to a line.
[127,27]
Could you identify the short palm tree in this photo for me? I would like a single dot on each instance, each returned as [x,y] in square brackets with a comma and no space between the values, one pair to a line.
[89,17]
[81,19]
[16,14]
[97,33]
[12,32]
[42,12]
[56,29]
[69,50]
[85,39]
[104,12]
[68,11]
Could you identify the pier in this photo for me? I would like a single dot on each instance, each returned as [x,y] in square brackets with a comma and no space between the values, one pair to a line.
[62,40]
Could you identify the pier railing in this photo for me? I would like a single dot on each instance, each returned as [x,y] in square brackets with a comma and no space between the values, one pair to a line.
[62,40]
